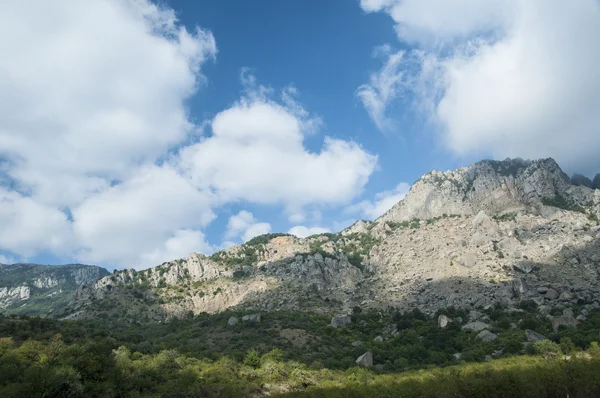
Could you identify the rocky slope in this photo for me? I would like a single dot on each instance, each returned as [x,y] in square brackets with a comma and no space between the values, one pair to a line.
[491,233]
[34,289]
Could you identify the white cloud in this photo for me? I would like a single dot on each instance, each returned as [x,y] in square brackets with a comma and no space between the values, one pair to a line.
[244,225]
[256,153]
[383,201]
[92,92]
[29,227]
[128,221]
[383,87]
[182,243]
[260,228]
[6,260]
[528,88]
[302,232]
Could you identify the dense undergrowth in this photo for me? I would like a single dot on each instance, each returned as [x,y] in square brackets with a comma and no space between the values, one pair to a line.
[297,354]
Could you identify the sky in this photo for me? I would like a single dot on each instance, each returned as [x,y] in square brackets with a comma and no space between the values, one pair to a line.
[134,132]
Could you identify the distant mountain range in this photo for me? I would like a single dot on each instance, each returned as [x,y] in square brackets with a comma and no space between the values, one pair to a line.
[33,289]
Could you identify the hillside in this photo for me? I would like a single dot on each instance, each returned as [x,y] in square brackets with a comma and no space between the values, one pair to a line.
[33,289]
[493,233]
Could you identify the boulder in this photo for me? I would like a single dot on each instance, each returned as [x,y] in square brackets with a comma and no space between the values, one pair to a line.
[486,335]
[357,343]
[564,320]
[524,266]
[476,326]
[565,296]
[581,318]
[251,318]
[378,339]
[443,321]
[475,315]
[533,336]
[341,321]
[365,359]
[233,321]
[468,260]
[551,294]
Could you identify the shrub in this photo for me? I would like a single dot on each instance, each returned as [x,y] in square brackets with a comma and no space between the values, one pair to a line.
[547,348]
[252,359]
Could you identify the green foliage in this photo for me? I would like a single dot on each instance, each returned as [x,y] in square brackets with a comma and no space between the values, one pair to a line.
[506,217]
[562,203]
[203,356]
[252,359]
[547,348]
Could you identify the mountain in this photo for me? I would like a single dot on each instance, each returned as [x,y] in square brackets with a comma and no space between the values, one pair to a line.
[33,289]
[493,233]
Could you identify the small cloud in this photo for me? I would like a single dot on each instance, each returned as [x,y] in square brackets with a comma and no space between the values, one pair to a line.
[382,202]
[302,232]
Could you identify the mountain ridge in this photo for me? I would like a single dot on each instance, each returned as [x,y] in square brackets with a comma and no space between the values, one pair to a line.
[459,238]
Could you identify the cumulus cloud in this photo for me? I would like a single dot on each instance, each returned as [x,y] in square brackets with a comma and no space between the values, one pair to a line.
[29,227]
[382,202]
[244,225]
[183,242]
[256,153]
[504,78]
[302,231]
[128,221]
[92,92]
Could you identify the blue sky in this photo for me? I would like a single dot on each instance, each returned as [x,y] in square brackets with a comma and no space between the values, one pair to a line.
[134,132]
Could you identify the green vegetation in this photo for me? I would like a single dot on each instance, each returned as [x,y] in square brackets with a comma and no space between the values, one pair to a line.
[562,203]
[505,217]
[295,354]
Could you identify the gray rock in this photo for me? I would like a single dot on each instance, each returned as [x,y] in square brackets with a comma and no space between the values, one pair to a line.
[468,260]
[363,323]
[564,320]
[581,318]
[233,321]
[251,318]
[443,321]
[475,315]
[365,359]
[476,326]
[533,336]
[341,321]
[357,343]
[542,289]
[486,335]
[565,296]
[524,266]
[458,320]
[551,294]
[568,312]
[457,356]
[378,339]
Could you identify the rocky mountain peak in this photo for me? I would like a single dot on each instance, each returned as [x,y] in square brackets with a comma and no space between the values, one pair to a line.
[492,186]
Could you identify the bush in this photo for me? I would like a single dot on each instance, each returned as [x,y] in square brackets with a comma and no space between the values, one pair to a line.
[252,359]
[547,348]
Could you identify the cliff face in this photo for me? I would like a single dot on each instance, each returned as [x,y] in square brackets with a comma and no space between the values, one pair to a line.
[492,186]
[491,233]
[34,289]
